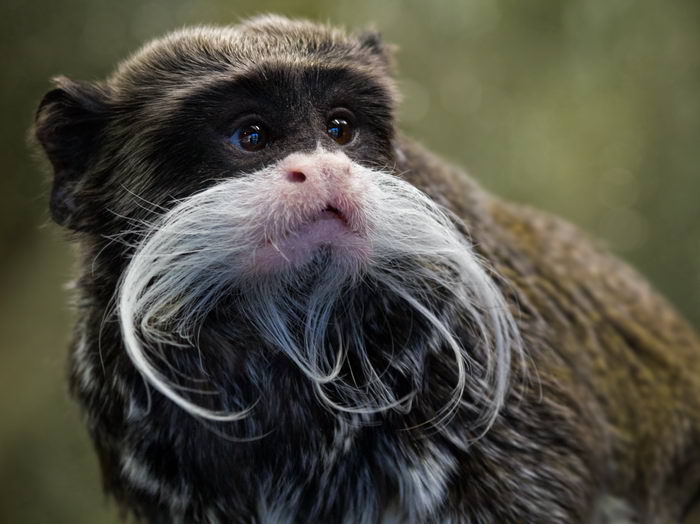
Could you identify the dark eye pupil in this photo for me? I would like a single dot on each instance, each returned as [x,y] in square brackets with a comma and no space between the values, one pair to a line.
[253,137]
[339,130]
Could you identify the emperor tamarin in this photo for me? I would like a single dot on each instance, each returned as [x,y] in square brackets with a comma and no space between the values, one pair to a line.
[289,312]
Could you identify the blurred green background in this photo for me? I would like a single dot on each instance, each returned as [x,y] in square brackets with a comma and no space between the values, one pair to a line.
[587,108]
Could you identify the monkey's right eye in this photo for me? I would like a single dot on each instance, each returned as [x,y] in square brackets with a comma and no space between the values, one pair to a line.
[251,137]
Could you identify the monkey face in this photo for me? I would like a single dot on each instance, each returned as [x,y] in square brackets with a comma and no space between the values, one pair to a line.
[297,145]
[178,116]
[294,127]
[247,173]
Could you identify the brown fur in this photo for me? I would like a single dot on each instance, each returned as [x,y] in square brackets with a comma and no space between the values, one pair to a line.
[606,343]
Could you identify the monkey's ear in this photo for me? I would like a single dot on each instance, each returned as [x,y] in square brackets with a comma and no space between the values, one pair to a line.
[68,124]
[371,40]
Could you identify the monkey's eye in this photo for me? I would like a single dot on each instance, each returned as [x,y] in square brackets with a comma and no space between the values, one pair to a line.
[251,137]
[340,130]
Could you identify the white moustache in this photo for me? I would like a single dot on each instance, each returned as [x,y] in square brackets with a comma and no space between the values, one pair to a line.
[218,241]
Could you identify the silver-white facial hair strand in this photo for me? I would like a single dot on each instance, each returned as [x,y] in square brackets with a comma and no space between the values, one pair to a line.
[200,251]
[410,223]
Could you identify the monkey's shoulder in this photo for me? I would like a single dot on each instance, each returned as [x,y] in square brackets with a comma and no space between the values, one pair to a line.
[569,280]
[560,260]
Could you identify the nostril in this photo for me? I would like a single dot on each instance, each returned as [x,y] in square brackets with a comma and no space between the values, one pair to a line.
[296,176]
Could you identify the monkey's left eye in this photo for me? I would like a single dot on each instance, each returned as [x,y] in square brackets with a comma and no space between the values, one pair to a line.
[340,130]
[251,137]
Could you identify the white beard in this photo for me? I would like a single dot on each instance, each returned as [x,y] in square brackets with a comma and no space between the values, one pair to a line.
[205,249]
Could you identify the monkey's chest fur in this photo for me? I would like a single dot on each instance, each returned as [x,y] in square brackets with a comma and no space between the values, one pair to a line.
[292,459]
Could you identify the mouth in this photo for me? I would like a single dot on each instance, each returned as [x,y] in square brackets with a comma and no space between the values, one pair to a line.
[330,227]
[334,212]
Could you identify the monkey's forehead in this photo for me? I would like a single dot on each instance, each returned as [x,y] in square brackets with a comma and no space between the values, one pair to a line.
[192,53]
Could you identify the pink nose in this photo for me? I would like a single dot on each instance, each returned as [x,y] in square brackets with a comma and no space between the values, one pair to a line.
[304,186]
[316,168]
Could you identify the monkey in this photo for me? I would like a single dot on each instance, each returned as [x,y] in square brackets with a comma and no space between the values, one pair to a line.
[288,311]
